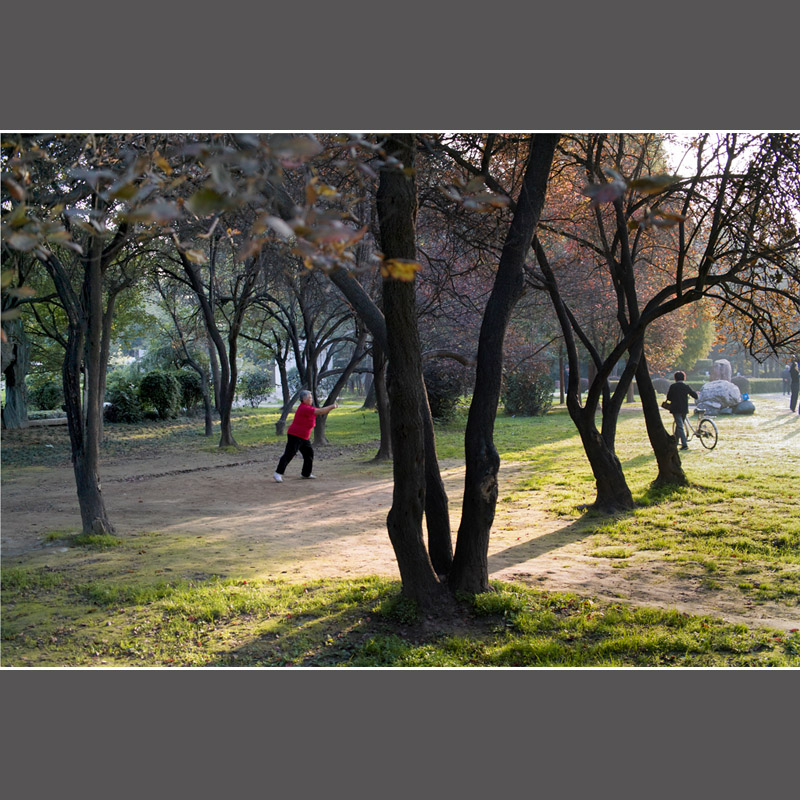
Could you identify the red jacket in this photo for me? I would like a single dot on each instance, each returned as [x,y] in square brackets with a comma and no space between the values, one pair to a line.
[305,418]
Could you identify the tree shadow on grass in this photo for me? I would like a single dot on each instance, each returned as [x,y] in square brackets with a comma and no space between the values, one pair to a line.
[585,526]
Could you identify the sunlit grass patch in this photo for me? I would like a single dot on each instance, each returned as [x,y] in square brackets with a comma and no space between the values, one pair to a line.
[363,622]
[611,552]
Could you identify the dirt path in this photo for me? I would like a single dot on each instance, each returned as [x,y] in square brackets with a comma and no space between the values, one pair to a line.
[224,515]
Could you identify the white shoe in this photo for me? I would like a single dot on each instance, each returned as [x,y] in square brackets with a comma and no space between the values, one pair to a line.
[309,477]
[278,477]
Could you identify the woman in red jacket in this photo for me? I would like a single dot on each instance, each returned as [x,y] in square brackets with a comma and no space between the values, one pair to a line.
[299,434]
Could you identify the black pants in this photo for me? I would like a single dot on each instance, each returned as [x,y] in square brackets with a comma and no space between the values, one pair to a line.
[793,397]
[293,444]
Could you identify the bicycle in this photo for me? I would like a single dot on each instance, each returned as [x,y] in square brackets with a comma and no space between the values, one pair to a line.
[705,431]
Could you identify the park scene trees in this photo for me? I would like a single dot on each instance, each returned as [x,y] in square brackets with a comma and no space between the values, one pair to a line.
[497,316]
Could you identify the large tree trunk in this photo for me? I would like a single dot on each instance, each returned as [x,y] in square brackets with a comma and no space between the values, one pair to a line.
[670,471]
[87,468]
[438,523]
[82,423]
[613,493]
[397,207]
[470,571]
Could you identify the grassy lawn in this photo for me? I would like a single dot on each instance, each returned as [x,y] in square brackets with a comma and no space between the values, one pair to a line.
[737,522]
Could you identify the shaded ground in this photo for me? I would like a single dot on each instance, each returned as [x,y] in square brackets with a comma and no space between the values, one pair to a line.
[223,515]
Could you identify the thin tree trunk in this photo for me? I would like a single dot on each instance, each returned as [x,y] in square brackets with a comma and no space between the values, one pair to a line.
[215,378]
[437,514]
[470,571]
[381,403]
[670,471]
[208,408]
[320,437]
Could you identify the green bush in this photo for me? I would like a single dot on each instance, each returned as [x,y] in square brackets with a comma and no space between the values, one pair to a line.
[162,392]
[765,386]
[661,385]
[742,382]
[123,396]
[528,392]
[444,382]
[46,396]
[191,386]
[255,387]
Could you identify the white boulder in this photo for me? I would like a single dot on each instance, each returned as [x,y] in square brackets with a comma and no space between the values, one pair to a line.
[718,395]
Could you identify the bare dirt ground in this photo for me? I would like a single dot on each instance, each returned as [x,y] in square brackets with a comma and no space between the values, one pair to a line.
[223,514]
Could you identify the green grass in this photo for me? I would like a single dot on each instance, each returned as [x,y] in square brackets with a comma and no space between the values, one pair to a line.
[735,528]
[49,620]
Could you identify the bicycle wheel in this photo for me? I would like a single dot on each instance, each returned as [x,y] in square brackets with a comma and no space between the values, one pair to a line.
[707,434]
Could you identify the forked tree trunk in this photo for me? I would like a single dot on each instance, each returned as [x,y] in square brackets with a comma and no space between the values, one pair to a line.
[397,207]
[470,571]
[670,470]
[613,493]
[438,523]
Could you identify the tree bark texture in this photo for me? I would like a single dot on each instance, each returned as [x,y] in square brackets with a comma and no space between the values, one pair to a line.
[15,361]
[470,571]
[670,470]
[397,208]
[436,515]
[613,493]
[381,403]
[84,333]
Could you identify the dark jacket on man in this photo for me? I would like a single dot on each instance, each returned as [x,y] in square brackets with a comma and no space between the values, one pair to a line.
[678,397]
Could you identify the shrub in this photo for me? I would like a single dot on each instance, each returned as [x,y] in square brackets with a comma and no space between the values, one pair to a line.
[123,396]
[255,387]
[191,388]
[661,385]
[47,396]
[528,391]
[444,382]
[765,385]
[161,391]
[742,382]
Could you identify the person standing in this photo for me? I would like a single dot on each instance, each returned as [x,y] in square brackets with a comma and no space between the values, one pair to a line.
[678,400]
[794,384]
[299,434]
